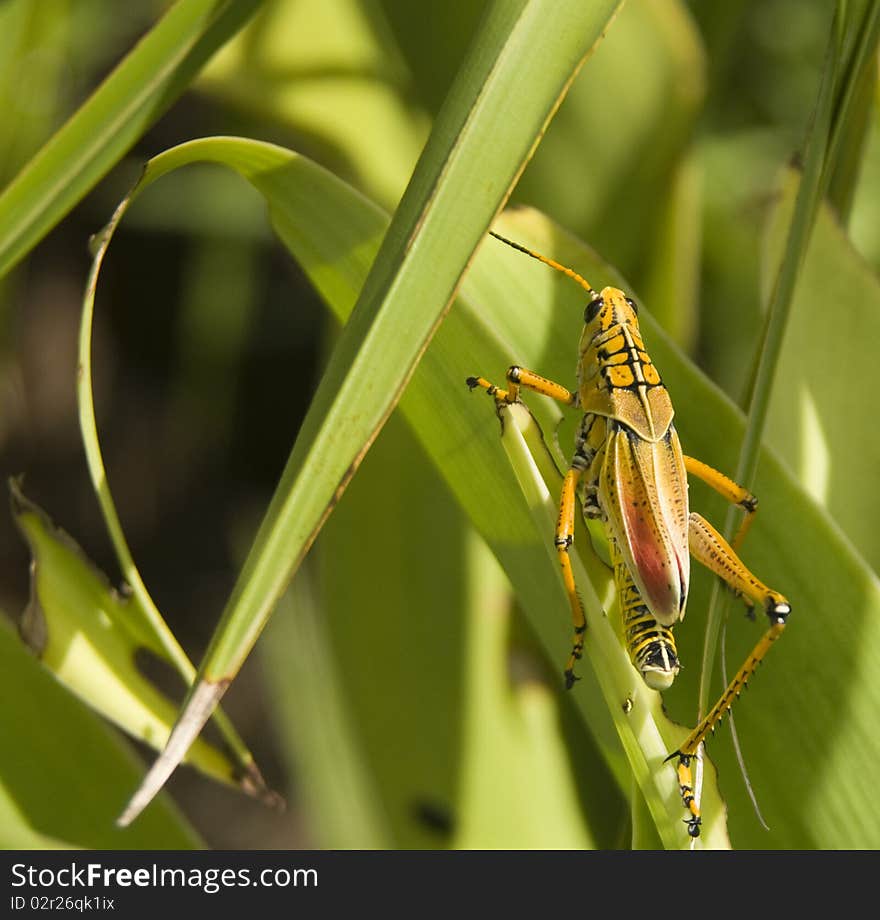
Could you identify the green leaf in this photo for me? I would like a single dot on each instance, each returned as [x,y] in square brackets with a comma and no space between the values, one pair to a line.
[473,157]
[816,417]
[403,603]
[518,788]
[138,91]
[88,635]
[63,784]
[459,728]
[319,731]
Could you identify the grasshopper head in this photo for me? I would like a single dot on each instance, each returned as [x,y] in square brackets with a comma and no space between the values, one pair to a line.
[609,308]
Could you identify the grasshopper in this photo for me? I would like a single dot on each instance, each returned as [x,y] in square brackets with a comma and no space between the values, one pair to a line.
[633,474]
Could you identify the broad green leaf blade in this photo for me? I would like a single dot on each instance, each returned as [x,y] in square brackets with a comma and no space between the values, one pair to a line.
[138,91]
[517,787]
[469,165]
[816,419]
[64,772]
[452,714]
[320,737]
[88,635]
[403,606]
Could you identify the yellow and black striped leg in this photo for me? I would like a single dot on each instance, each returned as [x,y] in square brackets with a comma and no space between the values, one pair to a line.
[520,377]
[728,489]
[564,538]
[686,786]
[712,550]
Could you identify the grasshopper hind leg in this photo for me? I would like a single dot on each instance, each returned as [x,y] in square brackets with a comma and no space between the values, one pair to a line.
[713,551]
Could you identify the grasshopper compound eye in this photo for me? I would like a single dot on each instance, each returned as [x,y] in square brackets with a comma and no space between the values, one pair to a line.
[592,309]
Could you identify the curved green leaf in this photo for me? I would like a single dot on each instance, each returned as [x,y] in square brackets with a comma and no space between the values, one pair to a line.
[50,798]
[88,635]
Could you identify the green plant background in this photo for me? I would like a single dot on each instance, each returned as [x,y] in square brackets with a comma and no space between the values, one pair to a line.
[406,692]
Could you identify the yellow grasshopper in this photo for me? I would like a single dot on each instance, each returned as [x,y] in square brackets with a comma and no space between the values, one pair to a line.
[634,475]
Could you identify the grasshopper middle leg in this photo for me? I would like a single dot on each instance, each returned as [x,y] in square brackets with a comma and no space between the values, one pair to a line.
[728,489]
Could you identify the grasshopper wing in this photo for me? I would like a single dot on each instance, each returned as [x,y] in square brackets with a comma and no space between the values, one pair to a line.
[643,494]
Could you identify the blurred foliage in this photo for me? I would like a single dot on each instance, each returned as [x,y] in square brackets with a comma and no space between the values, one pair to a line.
[671,157]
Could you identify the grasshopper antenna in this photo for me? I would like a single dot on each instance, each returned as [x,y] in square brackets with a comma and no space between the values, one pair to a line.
[570,272]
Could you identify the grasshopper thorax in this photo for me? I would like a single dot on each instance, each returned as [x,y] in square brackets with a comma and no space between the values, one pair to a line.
[616,376]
